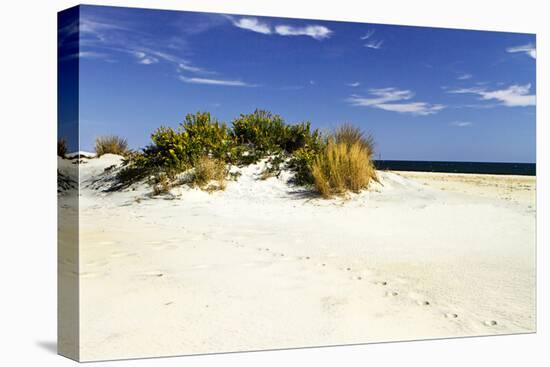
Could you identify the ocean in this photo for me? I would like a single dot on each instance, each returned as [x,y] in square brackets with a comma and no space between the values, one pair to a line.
[524,169]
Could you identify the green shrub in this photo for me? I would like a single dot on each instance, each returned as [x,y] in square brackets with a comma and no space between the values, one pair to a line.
[342,167]
[300,136]
[301,163]
[178,150]
[169,151]
[111,144]
[205,136]
[261,131]
[61,147]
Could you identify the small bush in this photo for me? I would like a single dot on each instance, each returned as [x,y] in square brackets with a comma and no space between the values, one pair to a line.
[61,147]
[300,136]
[179,149]
[207,170]
[263,133]
[206,136]
[168,151]
[342,167]
[111,144]
[301,163]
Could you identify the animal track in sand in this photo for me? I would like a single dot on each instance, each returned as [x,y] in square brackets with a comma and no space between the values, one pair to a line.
[153,273]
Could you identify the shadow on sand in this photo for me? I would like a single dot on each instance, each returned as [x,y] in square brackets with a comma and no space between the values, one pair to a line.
[48,345]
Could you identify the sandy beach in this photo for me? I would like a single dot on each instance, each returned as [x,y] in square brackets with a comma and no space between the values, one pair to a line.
[267,265]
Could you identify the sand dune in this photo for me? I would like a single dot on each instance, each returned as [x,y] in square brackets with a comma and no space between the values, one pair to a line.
[265,265]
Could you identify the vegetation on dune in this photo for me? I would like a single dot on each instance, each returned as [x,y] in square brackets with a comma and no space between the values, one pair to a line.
[207,170]
[349,134]
[204,147]
[345,163]
[61,147]
[111,144]
[342,167]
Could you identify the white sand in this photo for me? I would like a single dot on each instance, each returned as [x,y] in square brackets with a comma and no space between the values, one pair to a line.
[265,265]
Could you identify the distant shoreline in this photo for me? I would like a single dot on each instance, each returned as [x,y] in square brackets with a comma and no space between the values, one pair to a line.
[492,168]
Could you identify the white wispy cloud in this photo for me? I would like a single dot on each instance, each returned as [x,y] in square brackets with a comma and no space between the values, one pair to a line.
[368,35]
[380,96]
[354,84]
[414,108]
[528,49]
[464,76]
[392,99]
[461,123]
[145,59]
[188,67]
[91,54]
[317,32]
[374,44]
[252,24]
[513,96]
[102,37]
[220,82]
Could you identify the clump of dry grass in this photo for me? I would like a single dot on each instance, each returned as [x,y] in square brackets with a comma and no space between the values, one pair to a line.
[161,184]
[111,144]
[343,166]
[349,134]
[207,170]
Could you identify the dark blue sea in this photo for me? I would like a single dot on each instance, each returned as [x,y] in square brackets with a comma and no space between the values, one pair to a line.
[525,169]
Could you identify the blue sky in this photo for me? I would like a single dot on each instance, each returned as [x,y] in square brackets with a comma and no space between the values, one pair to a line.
[424,93]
